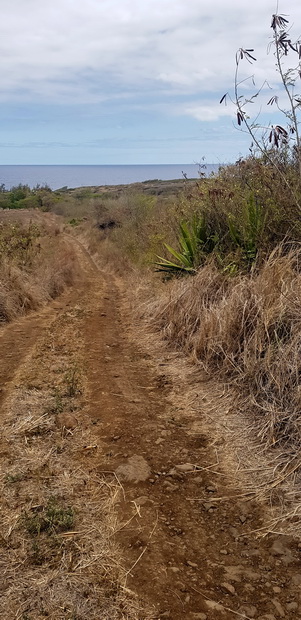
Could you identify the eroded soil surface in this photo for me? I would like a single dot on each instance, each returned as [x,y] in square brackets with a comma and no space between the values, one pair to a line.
[187,552]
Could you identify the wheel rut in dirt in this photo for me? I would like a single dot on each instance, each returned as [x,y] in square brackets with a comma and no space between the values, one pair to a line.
[16,342]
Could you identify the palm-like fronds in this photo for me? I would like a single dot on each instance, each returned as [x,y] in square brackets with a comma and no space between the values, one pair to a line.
[247,236]
[194,240]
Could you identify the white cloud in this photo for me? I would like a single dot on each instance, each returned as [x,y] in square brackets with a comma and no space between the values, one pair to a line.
[210,112]
[75,51]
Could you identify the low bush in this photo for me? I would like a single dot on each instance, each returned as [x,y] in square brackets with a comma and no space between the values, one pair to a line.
[22,197]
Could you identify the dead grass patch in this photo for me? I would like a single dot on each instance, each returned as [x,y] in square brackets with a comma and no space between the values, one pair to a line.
[36,265]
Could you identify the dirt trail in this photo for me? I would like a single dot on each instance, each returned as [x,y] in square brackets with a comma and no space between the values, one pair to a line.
[186,554]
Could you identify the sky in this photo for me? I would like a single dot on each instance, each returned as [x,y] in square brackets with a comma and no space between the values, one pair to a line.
[130,81]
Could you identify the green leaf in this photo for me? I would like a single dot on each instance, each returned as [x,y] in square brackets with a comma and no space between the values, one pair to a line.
[189,240]
[168,266]
[180,257]
[201,230]
[234,232]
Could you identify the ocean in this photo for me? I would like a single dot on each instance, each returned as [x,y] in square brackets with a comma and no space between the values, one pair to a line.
[81,176]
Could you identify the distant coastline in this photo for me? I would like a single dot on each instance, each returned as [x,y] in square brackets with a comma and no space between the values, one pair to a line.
[72,176]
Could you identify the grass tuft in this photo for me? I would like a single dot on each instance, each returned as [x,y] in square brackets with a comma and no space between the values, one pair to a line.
[36,265]
[246,330]
[51,519]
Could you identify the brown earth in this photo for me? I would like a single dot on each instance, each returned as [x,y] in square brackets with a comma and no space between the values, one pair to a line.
[188,540]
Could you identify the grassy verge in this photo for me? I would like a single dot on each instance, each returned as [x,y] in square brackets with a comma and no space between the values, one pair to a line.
[36,265]
[244,330]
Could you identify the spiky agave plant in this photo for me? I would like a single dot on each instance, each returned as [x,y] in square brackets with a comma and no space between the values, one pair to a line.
[247,237]
[193,240]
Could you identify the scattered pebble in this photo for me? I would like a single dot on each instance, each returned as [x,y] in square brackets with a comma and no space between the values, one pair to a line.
[234,573]
[186,467]
[209,505]
[293,606]
[296,580]
[170,487]
[141,501]
[248,610]
[278,607]
[136,469]
[228,588]
[278,549]
[210,489]
[198,479]
[172,472]
[214,605]
[192,564]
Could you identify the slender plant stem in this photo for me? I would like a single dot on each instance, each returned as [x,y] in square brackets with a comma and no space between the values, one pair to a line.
[290,97]
[259,144]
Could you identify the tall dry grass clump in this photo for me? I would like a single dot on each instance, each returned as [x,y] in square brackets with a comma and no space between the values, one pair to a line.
[247,330]
[36,265]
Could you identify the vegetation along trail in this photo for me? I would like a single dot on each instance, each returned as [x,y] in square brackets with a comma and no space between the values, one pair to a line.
[114,501]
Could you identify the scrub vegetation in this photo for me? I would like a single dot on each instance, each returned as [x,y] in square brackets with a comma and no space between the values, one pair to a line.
[36,265]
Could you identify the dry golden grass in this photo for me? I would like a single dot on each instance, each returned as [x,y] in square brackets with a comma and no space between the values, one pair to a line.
[245,329]
[36,265]
[105,252]
[127,231]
